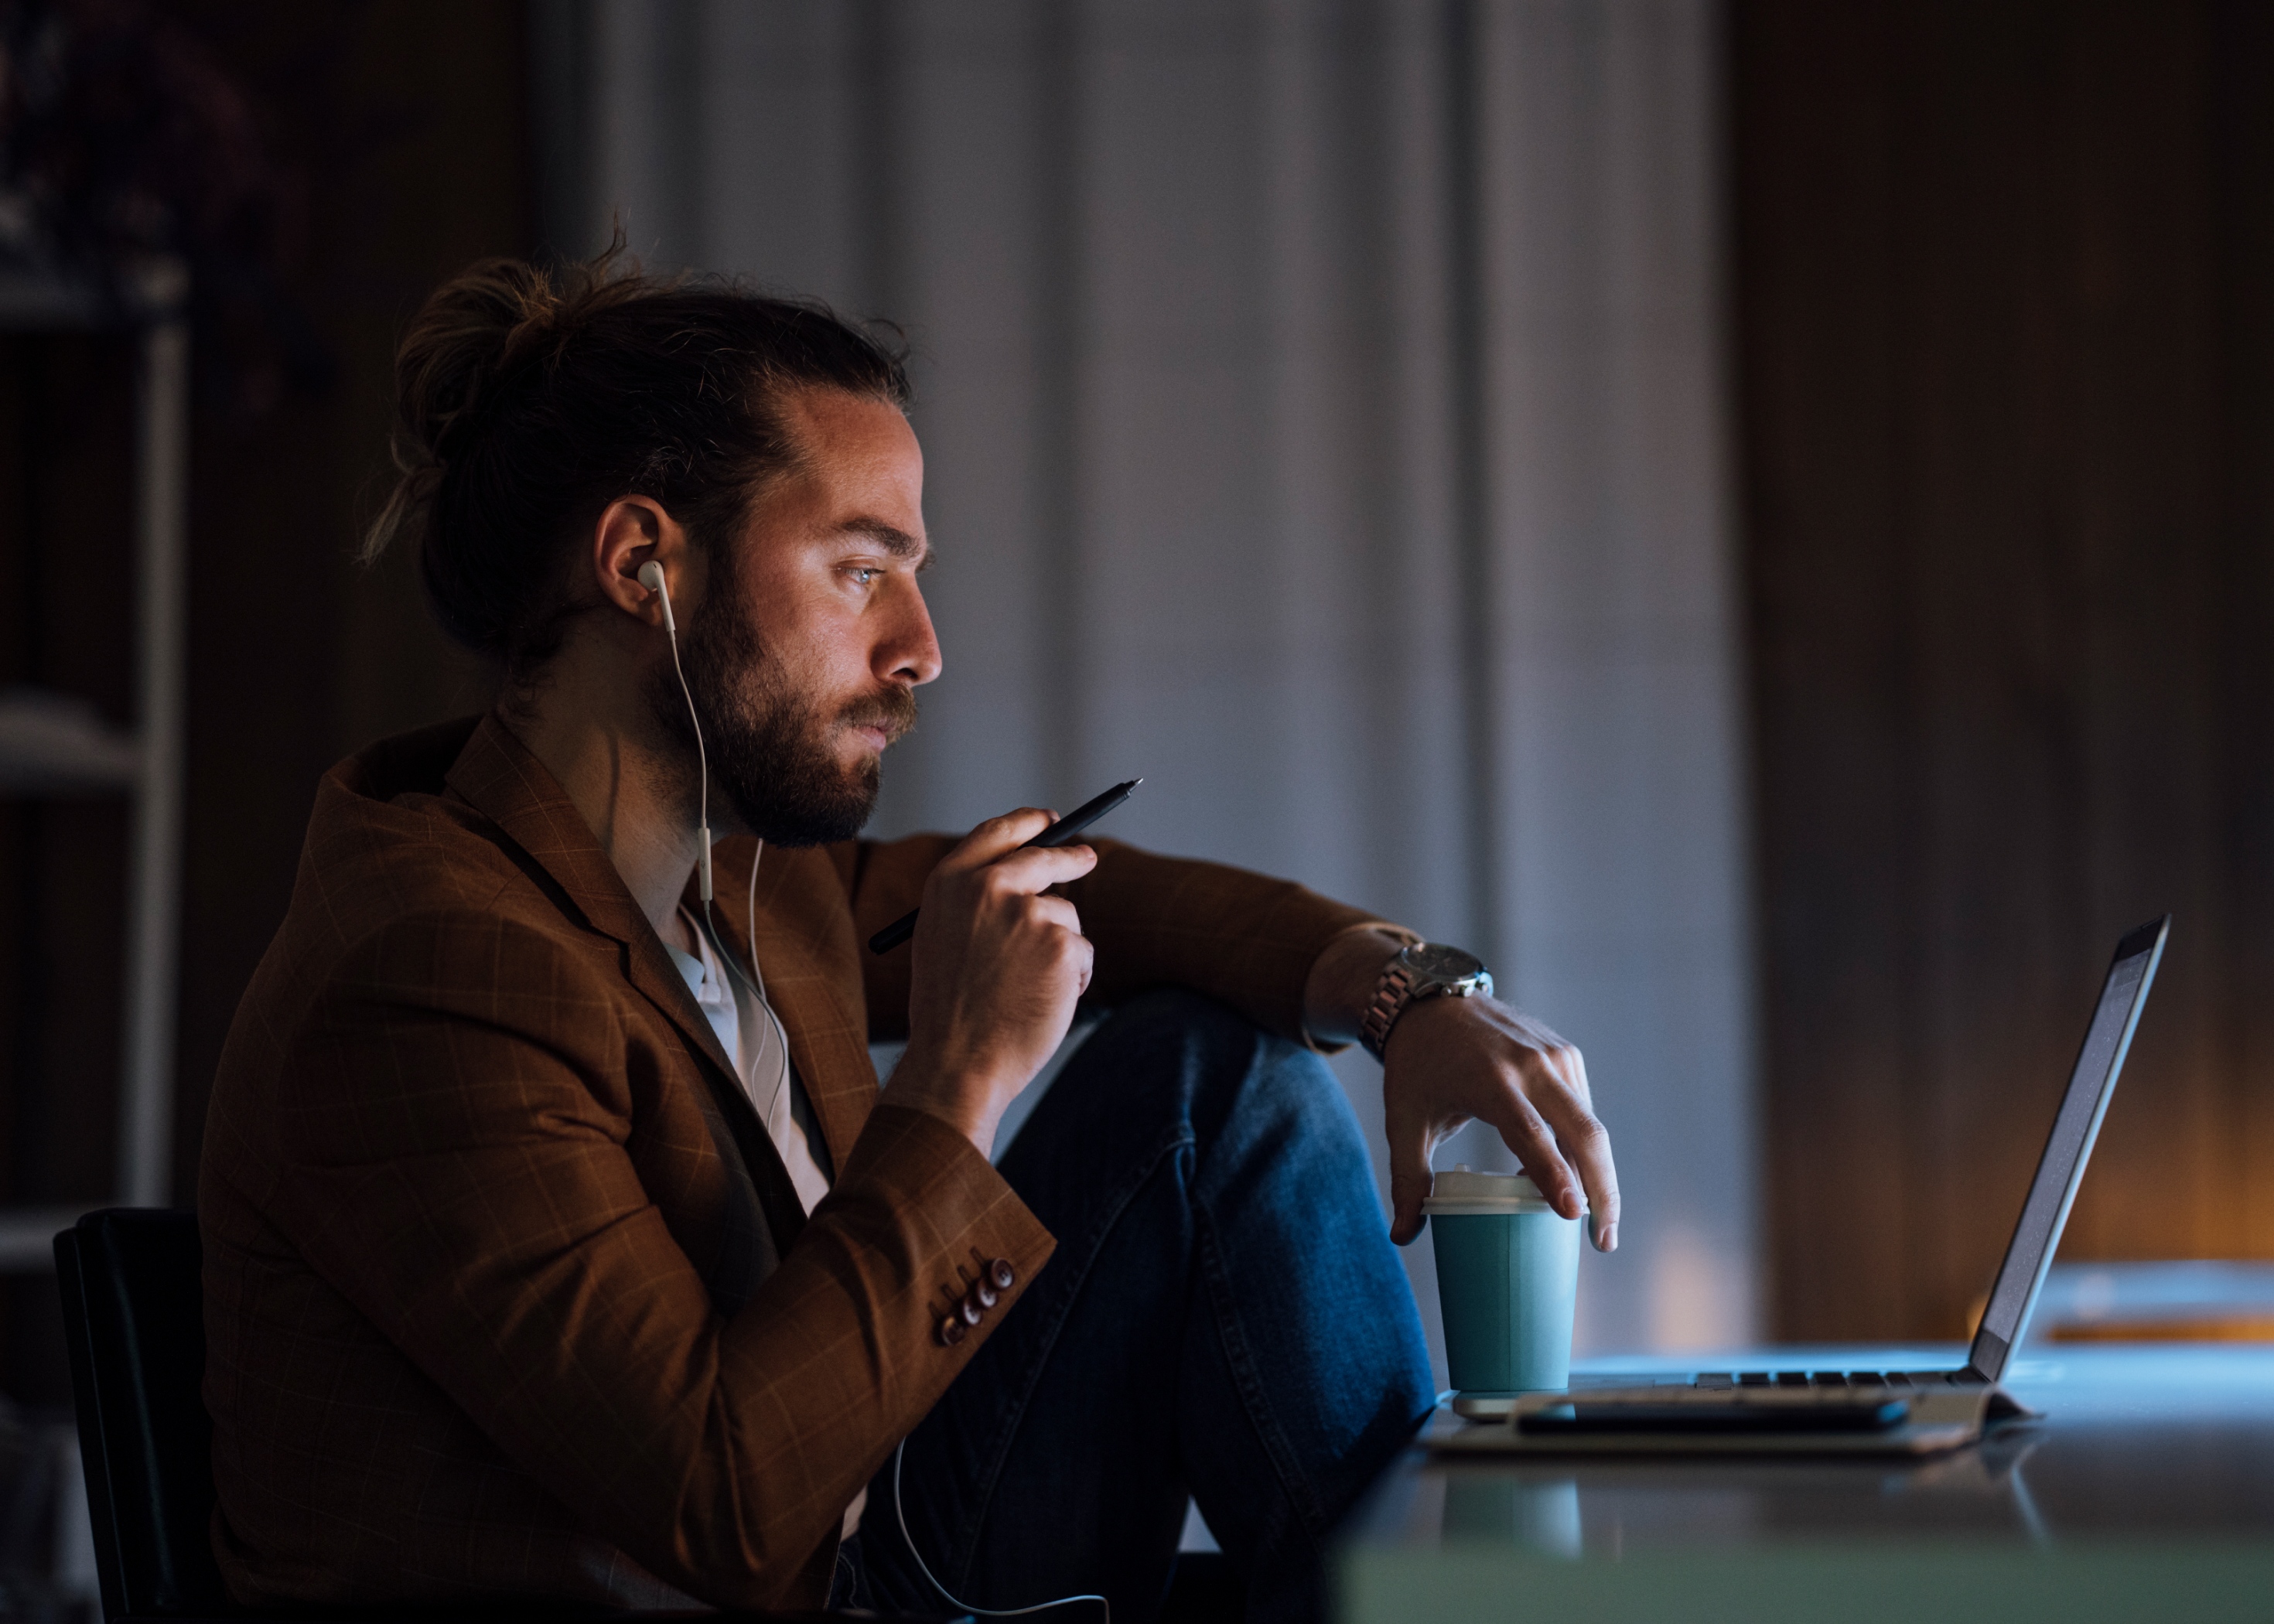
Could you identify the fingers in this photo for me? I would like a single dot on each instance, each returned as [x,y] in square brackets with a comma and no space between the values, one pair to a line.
[1527,1134]
[1576,1073]
[1000,844]
[1450,1060]
[1408,1178]
[1580,1136]
[999,964]
[1591,1150]
[1080,948]
[1031,870]
[1563,1146]
[1542,1108]
[995,836]
[1072,954]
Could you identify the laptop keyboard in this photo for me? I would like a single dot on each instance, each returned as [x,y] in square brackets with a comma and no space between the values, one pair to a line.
[1836,1379]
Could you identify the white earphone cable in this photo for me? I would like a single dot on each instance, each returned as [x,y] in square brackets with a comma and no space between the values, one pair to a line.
[750,913]
[900,1512]
[702,760]
[650,576]
[756,981]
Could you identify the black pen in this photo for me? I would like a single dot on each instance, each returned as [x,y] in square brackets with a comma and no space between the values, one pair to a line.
[1057,834]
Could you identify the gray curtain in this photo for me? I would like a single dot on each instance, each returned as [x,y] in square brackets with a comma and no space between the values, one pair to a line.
[1324,409]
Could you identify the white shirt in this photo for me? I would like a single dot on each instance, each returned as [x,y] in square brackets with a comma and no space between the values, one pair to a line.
[732,1006]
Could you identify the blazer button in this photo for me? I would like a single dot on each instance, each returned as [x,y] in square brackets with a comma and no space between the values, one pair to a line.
[982,1294]
[950,1331]
[969,1310]
[999,1273]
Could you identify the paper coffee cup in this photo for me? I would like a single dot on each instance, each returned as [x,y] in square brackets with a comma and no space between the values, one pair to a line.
[1508,1280]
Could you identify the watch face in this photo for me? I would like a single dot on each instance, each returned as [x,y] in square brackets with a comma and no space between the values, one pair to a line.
[1440,963]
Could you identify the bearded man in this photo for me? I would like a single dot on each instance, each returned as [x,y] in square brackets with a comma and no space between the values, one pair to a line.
[559,1242]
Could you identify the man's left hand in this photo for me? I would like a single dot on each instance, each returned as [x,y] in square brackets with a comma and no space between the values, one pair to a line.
[1453,1060]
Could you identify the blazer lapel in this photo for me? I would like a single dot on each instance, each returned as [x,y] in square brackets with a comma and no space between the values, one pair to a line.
[497,775]
[803,934]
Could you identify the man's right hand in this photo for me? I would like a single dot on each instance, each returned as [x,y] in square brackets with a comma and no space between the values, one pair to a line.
[998,967]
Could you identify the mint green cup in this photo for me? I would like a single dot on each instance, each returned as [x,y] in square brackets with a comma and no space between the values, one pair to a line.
[1508,1282]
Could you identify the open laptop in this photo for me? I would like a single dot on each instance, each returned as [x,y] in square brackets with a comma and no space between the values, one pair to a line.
[2060,1170]
[2091,1084]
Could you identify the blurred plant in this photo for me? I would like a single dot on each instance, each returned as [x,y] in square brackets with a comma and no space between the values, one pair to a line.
[122,137]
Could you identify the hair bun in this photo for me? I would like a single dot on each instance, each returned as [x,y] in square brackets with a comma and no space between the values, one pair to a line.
[468,336]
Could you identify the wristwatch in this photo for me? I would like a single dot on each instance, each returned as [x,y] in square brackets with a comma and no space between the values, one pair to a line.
[1423,970]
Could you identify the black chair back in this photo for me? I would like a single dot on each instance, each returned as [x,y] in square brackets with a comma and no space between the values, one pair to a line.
[134,1315]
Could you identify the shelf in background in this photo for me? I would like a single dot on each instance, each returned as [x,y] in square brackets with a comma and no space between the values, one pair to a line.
[27,1235]
[53,744]
[37,298]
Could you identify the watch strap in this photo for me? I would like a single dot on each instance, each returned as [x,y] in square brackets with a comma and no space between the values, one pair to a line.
[1392,994]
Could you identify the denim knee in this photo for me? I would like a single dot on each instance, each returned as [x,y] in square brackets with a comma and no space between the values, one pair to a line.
[1199,1067]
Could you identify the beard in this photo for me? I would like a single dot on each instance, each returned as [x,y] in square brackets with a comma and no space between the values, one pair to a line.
[769,745]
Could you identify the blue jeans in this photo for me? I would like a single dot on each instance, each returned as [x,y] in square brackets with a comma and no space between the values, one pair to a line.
[1225,1316]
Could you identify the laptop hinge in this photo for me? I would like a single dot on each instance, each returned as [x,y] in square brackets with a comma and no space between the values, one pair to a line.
[1987,1357]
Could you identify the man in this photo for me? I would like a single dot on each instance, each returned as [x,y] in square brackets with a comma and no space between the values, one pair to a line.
[557,1241]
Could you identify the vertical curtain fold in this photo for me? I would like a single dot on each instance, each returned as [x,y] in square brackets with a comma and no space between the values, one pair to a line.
[1325,414]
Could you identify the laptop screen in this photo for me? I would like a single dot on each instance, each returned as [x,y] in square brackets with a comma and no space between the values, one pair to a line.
[2062,1168]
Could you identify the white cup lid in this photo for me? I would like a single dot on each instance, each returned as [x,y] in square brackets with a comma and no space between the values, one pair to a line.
[1458,1190]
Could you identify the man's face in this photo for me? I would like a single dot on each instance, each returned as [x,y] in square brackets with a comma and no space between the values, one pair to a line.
[805,652]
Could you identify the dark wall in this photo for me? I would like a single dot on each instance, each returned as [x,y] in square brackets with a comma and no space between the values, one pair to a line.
[2005,335]
[406,124]
[411,119]
[66,518]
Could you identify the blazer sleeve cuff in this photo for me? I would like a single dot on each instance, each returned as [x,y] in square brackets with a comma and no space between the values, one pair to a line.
[963,1213]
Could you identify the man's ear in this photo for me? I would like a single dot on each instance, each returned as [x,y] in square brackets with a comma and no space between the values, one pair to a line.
[633,531]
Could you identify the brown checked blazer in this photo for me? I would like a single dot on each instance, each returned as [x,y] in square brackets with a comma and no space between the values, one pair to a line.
[508,1292]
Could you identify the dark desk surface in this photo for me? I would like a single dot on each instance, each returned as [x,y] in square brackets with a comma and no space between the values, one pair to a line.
[2146,1494]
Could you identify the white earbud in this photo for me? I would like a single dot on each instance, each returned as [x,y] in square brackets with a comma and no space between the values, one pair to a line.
[650,576]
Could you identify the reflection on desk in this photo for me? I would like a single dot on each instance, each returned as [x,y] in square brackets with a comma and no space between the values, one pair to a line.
[2147,1491]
